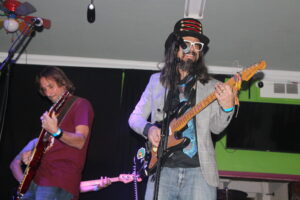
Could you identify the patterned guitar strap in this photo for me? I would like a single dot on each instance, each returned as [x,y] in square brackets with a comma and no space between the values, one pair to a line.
[66,107]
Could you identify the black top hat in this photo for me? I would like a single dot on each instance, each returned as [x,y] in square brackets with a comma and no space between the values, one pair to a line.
[188,27]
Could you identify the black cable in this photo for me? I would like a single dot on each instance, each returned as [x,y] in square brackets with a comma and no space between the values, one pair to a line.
[4,101]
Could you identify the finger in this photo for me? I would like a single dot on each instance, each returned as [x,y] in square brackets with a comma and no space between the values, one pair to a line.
[237,77]
[46,116]
[219,93]
[54,116]
[219,88]
[157,140]
[157,136]
[155,143]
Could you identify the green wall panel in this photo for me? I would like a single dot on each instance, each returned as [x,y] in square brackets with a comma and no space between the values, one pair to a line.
[257,161]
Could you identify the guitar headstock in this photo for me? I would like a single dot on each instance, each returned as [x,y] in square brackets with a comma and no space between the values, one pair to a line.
[246,74]
[250,71]
[127,178]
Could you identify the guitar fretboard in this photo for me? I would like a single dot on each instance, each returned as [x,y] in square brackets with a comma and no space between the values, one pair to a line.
[96,182]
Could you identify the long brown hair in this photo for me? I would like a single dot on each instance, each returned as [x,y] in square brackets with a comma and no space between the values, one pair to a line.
[58,76]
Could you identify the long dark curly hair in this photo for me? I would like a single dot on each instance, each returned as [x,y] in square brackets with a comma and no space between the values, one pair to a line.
[170,74]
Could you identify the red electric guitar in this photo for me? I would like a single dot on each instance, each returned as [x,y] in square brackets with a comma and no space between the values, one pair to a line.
[38,151]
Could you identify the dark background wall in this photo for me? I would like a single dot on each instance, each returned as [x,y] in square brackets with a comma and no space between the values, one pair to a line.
[113,94]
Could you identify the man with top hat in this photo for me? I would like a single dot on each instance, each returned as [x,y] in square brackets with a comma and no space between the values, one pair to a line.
[189,173]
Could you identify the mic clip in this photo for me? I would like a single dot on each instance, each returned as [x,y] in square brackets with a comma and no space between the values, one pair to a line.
[37,22]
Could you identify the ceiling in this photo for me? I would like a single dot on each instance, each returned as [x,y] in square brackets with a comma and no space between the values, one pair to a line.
[242,32]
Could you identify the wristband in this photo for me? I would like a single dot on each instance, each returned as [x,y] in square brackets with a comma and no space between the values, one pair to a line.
[228,109]
[57,134]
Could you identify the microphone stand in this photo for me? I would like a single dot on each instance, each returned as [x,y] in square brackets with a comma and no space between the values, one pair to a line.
[135,174]
[164,132]
[8,61]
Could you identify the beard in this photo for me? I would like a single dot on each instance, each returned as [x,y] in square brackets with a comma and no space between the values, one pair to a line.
[188,66]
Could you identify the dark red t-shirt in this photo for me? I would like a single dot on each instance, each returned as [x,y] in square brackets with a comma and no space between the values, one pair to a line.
[61,166]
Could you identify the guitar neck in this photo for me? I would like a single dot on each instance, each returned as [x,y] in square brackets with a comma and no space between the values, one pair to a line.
[114,179]
[183,120]
[97,182]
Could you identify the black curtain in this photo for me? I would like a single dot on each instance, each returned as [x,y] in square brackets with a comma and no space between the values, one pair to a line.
[113,94]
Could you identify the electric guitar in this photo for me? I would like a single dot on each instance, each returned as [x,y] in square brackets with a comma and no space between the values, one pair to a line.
[175,141]
[38,151]
[125,178]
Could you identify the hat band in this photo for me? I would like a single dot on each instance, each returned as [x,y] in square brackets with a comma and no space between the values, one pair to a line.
[192,21]
[193,25]
[191,29]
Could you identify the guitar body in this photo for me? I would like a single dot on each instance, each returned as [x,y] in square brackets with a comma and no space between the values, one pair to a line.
[32,166]
[175,140]
[38,152]
[173,145]
[182,116]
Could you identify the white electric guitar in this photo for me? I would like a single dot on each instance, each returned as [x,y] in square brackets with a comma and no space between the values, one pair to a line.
[125,178]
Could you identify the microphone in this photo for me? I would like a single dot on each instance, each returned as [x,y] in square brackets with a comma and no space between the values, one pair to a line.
[38,22]
[186,49]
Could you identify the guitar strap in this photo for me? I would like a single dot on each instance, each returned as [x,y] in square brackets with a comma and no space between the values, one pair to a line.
[66,107]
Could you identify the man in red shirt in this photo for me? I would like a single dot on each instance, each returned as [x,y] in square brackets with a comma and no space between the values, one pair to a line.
[59,173]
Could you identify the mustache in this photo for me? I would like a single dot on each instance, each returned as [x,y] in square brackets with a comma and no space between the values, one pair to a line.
[193,53]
